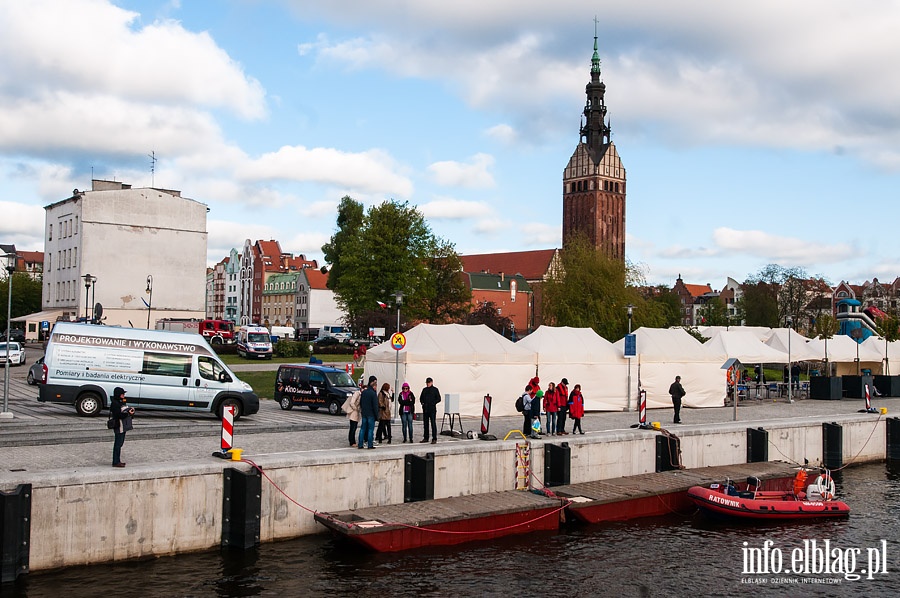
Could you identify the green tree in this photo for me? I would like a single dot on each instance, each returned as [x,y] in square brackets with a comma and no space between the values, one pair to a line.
[760,303]
[668,303]
[349,222]
[593,291]
[486,313]
[825,327]
[26,297]
[393,249]
[713,313]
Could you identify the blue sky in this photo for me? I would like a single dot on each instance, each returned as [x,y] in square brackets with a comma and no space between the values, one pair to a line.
[752,133]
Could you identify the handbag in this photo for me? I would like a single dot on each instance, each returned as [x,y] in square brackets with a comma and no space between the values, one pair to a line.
[127,424]
[110,424]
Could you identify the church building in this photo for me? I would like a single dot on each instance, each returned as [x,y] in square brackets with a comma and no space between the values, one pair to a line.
[594,178]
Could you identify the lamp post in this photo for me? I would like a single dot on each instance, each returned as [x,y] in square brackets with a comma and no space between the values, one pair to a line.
[88,281]
[10,259]
[398,300]
[630,311]
[150,302]
[790,323]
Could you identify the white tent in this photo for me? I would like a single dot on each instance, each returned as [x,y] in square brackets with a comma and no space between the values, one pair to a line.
[744,346]
[800,347]
[583,357]
[760,332]
[843,351]
[664,353]
[470,361]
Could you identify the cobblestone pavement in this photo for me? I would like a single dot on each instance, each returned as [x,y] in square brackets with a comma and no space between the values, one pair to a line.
[46,437]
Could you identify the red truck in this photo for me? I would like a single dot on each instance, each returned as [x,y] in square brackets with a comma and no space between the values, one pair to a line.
[217,332]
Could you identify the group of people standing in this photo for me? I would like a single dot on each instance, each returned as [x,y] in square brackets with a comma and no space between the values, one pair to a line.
[366,406]
[556,402]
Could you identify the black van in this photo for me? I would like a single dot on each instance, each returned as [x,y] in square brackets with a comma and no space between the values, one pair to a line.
[313,386]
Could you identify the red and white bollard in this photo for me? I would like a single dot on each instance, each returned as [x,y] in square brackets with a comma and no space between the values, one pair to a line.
[486,414]
[227,428]
[350,368]
[642,410]
[869,408]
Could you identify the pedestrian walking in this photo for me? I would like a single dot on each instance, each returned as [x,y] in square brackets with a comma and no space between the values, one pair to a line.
[429,399]
[576,408]
[407,402]
[120,414]
[368,411]
[676,391]
[551,407]
[562,402]
[385,400]
[351,406]
[526,410]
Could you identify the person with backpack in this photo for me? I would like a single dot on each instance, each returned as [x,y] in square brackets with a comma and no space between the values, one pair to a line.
[576,408]
[523,403]
[562,402]
[551,407]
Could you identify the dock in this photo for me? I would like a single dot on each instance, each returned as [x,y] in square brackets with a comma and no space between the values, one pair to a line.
[459,519]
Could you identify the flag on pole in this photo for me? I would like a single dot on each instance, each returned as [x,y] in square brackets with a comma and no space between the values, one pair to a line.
[381,304]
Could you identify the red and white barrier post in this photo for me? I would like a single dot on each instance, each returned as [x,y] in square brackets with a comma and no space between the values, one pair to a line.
[227,428]
[486,414]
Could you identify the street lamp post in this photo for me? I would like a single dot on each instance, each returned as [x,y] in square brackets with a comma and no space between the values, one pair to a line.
[398,300]
[630,309]
[88,281]
[790,323]
[10,259]
[150,302]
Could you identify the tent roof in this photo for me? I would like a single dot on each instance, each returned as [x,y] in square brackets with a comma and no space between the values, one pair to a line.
[666,344]
[564,344]
[745,346]
[842,348]
[454,343]
[760,332]
[800,349]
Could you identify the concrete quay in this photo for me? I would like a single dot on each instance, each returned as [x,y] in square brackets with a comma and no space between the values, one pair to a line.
[169,499]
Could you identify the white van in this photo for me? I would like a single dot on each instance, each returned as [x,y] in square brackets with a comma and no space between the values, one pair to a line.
[174,371]
[253,341]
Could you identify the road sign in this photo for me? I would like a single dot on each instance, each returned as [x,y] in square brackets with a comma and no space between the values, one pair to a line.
[630,345]
[398,341]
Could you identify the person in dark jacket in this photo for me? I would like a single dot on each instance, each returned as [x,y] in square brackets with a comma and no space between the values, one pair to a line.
[368,411]
[526,410]
[429,399]
[385,400]
[120,413]
[407,402]
[676,390]
[536,414]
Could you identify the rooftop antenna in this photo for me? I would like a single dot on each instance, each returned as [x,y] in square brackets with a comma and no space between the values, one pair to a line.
[152,167]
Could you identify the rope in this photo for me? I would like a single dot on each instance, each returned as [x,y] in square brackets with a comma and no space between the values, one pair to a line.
[547,493]
[852,459]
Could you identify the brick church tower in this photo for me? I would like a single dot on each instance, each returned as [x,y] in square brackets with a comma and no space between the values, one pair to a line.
[594,179]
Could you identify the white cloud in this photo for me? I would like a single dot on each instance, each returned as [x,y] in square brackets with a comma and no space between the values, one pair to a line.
[774,248]
[540,234]
[95,48]
[21,220]
[373,171]
[447,208]
[490,226]
[503,133]
[472,174]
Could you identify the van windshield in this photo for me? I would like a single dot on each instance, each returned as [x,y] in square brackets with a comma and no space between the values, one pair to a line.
[340,379]
[258,337]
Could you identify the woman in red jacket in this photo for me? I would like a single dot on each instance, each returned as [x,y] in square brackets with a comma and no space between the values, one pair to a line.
[576,408]
[551,406]
[562,406]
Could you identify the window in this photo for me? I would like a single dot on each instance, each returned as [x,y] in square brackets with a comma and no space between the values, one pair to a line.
[209,368]
[166,364]
[50,235]
[76,225]
[75,257]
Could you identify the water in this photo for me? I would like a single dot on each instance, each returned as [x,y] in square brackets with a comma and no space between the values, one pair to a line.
[678,555]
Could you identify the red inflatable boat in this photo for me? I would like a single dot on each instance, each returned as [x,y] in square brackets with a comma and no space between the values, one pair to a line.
[814,501]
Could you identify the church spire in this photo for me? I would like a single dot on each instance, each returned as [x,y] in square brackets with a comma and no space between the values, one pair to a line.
[595,132]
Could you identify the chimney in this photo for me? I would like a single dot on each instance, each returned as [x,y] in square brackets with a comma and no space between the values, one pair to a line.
[502,277]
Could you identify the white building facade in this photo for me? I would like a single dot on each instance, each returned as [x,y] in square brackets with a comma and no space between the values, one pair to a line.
[117,237]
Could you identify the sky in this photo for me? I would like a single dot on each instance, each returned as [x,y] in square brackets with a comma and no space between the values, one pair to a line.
[752,133]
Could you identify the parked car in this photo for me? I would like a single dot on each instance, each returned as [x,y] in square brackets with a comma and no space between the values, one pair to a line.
[15,334]
[16,353]
[312,386]
[36,372]
[328,341]
[368,342]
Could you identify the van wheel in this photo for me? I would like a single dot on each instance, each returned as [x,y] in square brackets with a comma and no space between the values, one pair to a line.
[313,407]
[30,379]
[334,408]
[225,403]
[88,404]
[286,403]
